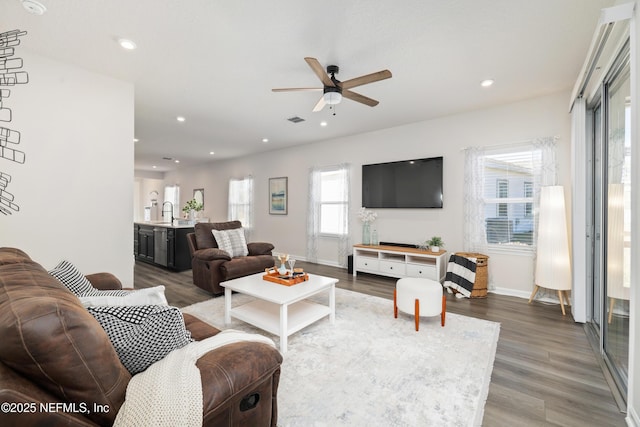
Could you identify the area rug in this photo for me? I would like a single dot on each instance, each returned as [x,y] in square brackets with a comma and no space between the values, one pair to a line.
[370,369]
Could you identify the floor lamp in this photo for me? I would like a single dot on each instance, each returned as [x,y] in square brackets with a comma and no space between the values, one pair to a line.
[553,264]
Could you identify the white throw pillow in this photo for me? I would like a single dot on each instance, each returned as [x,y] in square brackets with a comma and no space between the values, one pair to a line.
[232,241]
[146,296]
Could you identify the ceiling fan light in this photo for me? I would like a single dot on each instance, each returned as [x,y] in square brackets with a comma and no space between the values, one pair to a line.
[332,98]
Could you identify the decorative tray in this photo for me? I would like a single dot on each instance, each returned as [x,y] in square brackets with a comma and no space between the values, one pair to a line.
[272,275]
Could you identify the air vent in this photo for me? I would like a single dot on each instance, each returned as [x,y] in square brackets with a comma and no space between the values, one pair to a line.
[295,119]
[167,158]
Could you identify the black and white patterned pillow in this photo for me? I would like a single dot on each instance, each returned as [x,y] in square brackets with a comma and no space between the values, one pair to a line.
[77,283]
[144,334]
[232,241]
[69,275]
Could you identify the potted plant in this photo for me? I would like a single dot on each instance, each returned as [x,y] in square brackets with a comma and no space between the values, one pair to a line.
[435,243]
[191,207]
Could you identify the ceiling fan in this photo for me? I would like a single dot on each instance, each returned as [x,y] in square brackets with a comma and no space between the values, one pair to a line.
[334,89]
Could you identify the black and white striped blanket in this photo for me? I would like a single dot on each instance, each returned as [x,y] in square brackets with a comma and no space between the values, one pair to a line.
[461,274]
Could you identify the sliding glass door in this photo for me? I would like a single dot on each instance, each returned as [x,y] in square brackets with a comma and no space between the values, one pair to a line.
[611,198]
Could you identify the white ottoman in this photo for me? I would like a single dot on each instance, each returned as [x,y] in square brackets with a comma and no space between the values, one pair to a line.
[420,297]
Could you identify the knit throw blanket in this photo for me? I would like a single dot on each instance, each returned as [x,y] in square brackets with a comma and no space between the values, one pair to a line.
[461,274]
[169,392]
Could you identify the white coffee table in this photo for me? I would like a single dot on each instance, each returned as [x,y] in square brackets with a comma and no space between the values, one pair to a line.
[279,309]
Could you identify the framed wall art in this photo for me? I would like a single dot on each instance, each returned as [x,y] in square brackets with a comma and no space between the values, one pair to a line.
[278,196]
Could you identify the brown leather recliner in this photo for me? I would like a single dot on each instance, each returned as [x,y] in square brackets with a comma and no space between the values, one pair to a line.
[212,265]
[57,363]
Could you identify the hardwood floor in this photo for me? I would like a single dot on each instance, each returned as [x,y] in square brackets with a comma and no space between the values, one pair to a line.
[545,372]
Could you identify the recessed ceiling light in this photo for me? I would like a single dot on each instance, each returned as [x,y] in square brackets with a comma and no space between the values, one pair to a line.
[265,140]
[486,83]
[135,140]
[177,161]
[127,44]
[323,124]
[33,6]
[211,153]
[180,119]
[154,166]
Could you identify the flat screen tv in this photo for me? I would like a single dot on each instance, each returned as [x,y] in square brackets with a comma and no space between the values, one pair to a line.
[405,184]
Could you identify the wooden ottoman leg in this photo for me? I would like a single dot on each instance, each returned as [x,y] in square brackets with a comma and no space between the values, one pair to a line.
[417,314]
[395,303]
[444,309]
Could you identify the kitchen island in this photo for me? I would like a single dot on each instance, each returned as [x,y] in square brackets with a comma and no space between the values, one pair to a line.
[162,243]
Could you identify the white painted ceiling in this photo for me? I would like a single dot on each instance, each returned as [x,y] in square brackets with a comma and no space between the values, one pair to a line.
[215,62]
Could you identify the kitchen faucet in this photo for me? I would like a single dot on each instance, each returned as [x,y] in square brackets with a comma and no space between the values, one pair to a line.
[171,211]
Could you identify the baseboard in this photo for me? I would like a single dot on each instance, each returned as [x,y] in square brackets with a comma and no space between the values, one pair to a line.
[509,292]
[492,288]
[632,419]
[320,261]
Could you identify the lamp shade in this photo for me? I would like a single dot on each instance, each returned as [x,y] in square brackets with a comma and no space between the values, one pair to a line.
[617,286]
[553,263]
[332,97]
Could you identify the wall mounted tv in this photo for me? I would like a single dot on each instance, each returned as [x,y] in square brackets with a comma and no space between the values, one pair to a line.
[406,184]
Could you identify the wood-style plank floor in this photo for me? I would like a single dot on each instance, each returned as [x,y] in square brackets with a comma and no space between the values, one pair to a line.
[545,372]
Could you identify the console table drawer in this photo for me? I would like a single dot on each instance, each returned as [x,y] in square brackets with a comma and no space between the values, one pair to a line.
[426,271]
[393,268]
[365,263]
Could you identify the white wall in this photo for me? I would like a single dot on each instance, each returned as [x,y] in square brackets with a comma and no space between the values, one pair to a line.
[74,190]
[544,116]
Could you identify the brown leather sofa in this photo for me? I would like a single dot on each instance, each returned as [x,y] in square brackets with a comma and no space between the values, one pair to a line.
[56,361]
[212,265]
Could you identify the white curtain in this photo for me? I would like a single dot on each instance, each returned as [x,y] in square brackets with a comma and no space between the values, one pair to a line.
[321,199]
[545,172]
[475,235]
[313,215]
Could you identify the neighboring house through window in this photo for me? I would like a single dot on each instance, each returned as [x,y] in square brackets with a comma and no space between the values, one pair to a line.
[501,193]
[528,193]
[507,199]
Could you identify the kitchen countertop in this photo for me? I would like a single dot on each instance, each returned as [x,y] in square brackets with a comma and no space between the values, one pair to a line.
[165,224]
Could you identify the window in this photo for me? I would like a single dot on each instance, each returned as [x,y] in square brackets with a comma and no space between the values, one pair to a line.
[328,214]
[172,194]
[241,201]
[509,196]
[333,202]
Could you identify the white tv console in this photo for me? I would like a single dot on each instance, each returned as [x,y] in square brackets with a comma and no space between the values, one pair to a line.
[398,261]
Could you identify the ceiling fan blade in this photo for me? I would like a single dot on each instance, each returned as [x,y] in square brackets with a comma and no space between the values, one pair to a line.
[359,98]
[292,89]
[320,105]
[369,78]
[320,72]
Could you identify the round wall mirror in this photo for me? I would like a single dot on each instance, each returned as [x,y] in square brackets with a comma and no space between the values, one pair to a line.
[198,195]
